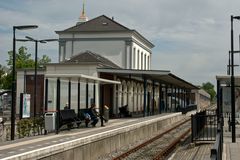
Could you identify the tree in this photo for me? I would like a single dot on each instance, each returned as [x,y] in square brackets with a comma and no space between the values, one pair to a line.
[209,88]
[24,60]
[7,81]
[45,60]
[2,74]
[5,78]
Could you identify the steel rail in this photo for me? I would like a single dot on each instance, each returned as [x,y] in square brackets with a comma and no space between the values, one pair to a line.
[170,147]
[127,153]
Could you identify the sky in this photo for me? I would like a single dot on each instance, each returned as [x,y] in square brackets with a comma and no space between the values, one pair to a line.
[191,37]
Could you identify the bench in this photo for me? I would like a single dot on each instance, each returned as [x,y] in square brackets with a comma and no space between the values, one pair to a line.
[68,117]
[123,111]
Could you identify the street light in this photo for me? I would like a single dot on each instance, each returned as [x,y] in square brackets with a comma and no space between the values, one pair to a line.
[232,82]
[35,73]
[13,109]
[229,63]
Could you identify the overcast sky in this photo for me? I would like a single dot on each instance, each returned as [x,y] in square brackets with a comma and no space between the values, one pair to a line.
[191,37]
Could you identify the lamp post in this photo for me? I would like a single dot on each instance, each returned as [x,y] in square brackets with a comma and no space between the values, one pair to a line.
[13,107]
[229,63]
[232,82]
[35,69]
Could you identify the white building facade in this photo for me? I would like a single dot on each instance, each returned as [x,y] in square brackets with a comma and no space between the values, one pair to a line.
[124,47]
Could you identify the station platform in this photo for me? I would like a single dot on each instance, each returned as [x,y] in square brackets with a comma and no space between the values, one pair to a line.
[231,151]
[84,142]
[202,151]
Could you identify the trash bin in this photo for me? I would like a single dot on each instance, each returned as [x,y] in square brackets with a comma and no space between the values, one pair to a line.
[50,121]
[106,113]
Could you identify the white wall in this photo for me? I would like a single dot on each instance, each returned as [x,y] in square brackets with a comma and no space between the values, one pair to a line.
[110,45]
[19,89]
[71,69]
[112,50]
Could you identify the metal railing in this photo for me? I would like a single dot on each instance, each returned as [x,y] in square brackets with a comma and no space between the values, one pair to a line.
[204,126]
[217,149]
[188,108]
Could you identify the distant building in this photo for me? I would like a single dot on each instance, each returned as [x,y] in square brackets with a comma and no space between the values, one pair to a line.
[202,99]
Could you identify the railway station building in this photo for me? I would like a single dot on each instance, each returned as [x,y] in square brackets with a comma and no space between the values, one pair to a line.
[103,62]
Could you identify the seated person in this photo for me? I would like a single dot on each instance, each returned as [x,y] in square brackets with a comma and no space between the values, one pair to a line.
[87,118]
[124,111]
[66,106]
[94,115]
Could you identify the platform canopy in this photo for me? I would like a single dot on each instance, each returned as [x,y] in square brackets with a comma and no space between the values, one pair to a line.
[82,78]
[226,79]
[161,76]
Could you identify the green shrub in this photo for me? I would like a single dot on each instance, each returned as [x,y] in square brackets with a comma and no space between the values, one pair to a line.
[24,127]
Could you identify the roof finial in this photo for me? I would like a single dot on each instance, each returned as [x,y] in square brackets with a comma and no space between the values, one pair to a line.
[83,18]
[83,9]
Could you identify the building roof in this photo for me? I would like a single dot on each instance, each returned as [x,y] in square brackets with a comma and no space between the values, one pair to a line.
[82,78]
[103,24]
[154,75]
[226,79]
[90,57]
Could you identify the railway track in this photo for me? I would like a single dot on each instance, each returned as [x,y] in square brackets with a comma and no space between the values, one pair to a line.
[160,146]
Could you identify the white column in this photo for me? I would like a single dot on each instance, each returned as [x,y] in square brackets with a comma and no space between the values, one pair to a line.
[149,62]
[139,96]
[143,61]
[141,109]
[124,93]
[134,97]
[134,58]
[128,57]
[130,97]
[115,109]
[140,60]
[120,96]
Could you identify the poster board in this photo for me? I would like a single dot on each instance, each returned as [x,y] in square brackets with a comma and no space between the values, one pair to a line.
[25,105]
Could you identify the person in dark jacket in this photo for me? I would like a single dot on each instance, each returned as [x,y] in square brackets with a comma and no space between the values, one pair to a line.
[94,115]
